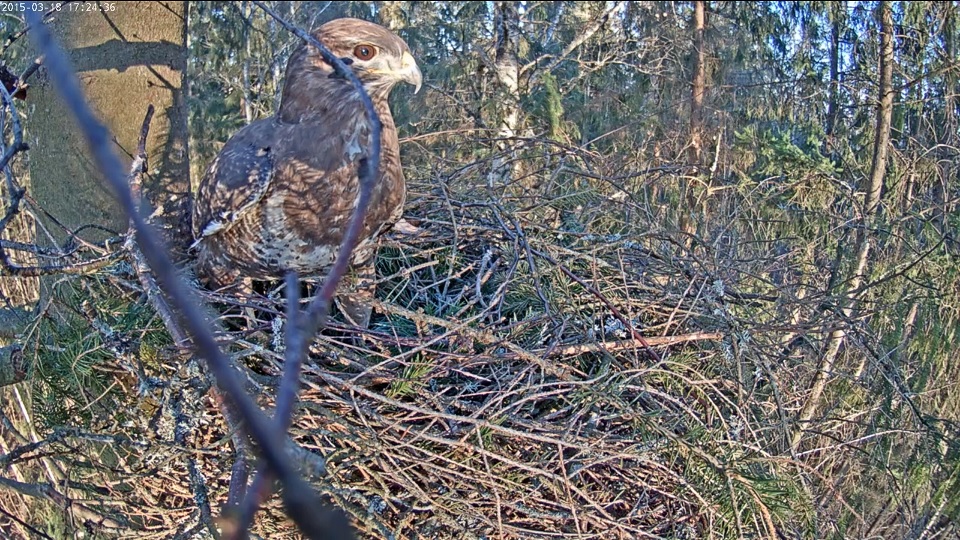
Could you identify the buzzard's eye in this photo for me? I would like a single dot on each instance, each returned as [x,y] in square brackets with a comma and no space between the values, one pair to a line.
[365,52]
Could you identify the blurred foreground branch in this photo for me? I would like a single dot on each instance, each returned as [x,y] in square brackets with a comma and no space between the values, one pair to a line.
[313,518]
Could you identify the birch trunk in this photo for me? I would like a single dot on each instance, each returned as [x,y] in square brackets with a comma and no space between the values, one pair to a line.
[871,204]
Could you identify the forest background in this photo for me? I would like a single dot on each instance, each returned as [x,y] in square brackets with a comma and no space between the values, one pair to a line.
[685,270]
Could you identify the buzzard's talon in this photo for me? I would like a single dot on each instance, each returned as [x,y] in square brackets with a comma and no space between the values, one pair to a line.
[361,287]
[356,309]
[405,227]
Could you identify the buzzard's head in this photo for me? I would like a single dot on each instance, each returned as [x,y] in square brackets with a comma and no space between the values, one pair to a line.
[376,55]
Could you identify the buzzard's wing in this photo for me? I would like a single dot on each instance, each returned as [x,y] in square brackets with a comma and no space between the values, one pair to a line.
[236,180]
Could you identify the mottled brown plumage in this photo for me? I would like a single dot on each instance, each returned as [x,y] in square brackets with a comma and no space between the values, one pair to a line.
[280,194]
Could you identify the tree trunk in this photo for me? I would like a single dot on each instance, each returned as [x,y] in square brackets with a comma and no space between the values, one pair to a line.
[950,76]
[390,15]
[871,204]
[698,86]
[943,208]
[881,141]
[507,73]
[126,60]
[245,68]
[695,149]
[833,100]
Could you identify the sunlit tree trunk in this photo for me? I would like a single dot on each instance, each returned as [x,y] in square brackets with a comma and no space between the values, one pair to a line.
[507,73]
[245,70]
[698,87]
[950,76]
[133,58]
[126,59]
[950,130]
[833,100]
[695,148]
[881,143]
[871,204]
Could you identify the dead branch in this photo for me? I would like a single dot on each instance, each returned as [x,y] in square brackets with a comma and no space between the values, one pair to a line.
[624,345]
[301,330]
[82,511]
[301,502]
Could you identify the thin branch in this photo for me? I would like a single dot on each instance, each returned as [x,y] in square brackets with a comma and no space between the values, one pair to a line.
[299,336]
[259,490]
[27,73]
[622,345]
[47,492]
[30,248]
[302,504]
[14,192]
[13,208]
[583,36]
[18,144]
[198,486]
[36,532]
[8,268]
[201,495]
[932,73]
[12,38]
[599,296]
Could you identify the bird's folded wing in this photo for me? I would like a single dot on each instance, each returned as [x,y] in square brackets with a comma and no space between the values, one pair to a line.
[236,181]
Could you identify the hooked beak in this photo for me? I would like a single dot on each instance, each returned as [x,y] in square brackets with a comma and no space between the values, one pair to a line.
[410,72]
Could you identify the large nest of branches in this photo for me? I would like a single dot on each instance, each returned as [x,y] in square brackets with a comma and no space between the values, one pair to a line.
[519,380]
[543,363]
[628,312]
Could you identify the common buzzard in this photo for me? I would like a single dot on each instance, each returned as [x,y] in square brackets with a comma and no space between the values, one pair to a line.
[280,194]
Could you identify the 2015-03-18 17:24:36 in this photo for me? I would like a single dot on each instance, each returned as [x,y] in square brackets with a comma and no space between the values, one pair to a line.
[69,7]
